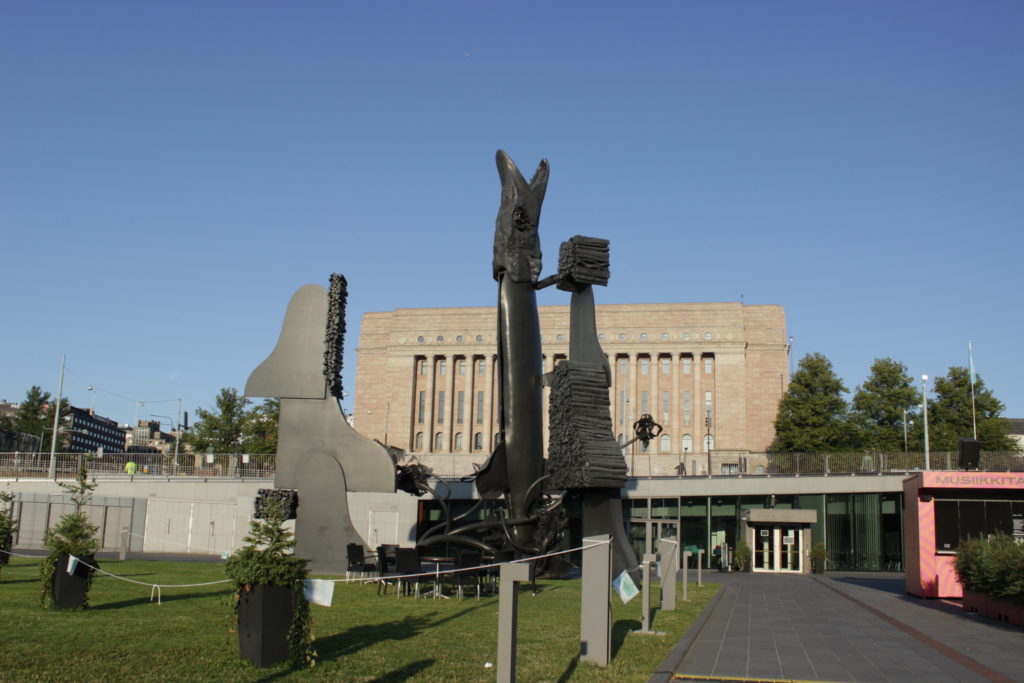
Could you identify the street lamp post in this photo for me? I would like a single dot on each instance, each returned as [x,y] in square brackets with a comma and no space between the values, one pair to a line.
[924,405]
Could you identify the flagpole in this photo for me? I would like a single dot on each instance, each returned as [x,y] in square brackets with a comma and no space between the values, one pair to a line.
[970,361]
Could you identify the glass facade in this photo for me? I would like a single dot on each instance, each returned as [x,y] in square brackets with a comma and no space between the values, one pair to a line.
[862,531]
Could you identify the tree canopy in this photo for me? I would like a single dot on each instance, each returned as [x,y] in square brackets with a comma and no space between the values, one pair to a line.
[35,418]
[881,405]
[813,415]
[231,426]
[949,417]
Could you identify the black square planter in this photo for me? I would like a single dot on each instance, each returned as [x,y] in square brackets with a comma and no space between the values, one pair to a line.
[264,618]
[69,590]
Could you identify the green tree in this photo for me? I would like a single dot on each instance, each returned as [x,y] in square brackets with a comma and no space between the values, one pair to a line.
[880,403]
[813,415]
[260,428]
[949,414]
[221,428]
[35,417]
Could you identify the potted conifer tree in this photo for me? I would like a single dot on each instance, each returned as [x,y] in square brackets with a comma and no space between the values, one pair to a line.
[65,586]
[272,612]
[8,527]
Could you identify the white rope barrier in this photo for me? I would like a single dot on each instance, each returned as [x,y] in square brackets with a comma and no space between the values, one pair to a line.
[156,588]
[469,569]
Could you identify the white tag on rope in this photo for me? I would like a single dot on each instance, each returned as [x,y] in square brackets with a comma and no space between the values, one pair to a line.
[318,591]
[72,564]
[624,586]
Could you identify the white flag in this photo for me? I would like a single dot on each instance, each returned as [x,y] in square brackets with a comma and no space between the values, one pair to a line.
[318,591]
[72,564]
[624,586]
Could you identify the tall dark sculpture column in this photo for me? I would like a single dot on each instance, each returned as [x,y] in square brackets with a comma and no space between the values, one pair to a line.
[517,465]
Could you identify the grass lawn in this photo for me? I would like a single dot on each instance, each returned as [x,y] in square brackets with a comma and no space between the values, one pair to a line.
[362,637]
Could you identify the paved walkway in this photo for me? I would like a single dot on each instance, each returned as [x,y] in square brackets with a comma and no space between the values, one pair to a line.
[841,627]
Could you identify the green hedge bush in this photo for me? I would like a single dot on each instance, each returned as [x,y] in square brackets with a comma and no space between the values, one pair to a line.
[992,566]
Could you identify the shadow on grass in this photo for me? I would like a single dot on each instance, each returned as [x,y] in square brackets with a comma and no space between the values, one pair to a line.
[406,672]
[145,600]
[620,629]
[356,638]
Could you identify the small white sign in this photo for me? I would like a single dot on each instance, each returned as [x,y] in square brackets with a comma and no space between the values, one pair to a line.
[209,458]
[245,458]
[788,540]
[764,533]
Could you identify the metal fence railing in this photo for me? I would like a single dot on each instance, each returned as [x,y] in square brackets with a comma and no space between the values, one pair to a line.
[116,465]
[740,463]
[455,465]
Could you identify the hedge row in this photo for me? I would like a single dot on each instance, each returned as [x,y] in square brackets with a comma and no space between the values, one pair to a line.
[993,567]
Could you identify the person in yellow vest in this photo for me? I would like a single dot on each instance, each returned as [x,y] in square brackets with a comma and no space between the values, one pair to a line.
[130,468]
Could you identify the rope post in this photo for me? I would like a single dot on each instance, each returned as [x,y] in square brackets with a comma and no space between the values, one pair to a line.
[700,561]
[596,607]
[510,575]
[669,563]
[686,574]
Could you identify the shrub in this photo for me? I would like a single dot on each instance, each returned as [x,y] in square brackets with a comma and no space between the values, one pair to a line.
[8,527]
[73,534]
[743,556]
[993,567]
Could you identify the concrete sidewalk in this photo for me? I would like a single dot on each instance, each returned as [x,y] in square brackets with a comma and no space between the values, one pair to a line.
[841,627]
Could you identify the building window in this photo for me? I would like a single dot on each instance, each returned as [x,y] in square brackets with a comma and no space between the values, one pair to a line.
[462,367]
[481,367]
[438,442]
[666,443]
[458,441]
[708,365]
[497,439]
[478,441]
[643,336]
[420,339]
[458,338]
[479,407]
[423,367]
[623,366]
[459,408]
[730,468]
[686,407]
[709,443]
[622,336]
[442,367]
[687,365]
[422,407]
[666,366]
[687,443]
[643,402]
[560,337]
[479,337]
[643,366]
[419,441]
[440,407]
[664,336]
[440,338]
[664,406]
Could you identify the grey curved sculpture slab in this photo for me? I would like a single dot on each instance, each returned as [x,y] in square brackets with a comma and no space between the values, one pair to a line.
[318,452]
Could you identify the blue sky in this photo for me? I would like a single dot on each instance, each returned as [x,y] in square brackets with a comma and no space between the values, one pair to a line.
[172,172]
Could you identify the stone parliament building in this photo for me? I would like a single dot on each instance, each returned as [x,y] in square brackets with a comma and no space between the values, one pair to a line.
[711,374]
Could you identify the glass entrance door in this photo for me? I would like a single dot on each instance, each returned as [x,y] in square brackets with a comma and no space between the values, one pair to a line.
[789,549]
[777,549]
[765,544]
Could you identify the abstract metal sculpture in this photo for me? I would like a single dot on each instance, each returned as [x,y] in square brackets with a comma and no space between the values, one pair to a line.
[319,454]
